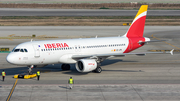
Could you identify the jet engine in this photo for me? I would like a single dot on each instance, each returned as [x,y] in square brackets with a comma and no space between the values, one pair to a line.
[86,65]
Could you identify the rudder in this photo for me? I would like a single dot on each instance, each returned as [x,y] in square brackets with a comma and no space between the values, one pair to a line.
[137,27]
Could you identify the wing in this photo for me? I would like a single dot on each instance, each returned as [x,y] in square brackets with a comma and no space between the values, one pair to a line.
[117,54]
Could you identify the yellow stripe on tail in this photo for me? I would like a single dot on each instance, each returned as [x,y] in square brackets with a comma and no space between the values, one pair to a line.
[141,10]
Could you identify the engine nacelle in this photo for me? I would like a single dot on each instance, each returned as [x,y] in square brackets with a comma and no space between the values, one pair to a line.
[86,65]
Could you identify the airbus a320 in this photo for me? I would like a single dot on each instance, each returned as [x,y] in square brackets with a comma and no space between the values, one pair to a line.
[87,54]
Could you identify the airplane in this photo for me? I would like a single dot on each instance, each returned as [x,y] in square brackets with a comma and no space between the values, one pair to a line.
[87,54]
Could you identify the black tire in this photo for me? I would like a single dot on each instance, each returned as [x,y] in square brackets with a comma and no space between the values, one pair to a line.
[65,67]
[98,70]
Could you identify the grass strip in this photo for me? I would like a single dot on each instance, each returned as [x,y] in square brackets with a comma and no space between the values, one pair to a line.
[84,21]
[91,5]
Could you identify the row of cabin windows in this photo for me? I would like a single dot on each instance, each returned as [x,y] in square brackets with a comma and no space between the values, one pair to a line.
[52,49]
[114,45]
[97,46]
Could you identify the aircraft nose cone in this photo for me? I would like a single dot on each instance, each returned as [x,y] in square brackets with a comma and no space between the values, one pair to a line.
[10,59]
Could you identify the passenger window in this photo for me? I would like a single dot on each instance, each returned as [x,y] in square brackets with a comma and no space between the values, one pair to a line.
[16,50]
[25,50]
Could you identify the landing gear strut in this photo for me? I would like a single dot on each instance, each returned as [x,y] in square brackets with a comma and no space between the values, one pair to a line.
[30,69]
[65,67]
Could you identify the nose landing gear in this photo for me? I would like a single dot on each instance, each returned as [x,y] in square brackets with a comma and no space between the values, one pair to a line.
[30,69]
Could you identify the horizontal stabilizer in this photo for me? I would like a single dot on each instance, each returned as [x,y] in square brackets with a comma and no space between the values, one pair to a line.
[151,41]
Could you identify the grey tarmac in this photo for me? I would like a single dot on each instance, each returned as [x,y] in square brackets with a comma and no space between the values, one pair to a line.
[130,92]
[135,78]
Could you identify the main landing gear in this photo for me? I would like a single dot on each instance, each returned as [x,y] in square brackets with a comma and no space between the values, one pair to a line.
[98,70]
[99,60]
[65,67]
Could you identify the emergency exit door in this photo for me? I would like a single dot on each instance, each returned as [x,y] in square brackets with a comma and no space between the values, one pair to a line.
[36,50]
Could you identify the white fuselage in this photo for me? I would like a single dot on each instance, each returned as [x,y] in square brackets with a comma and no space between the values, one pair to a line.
[60,51]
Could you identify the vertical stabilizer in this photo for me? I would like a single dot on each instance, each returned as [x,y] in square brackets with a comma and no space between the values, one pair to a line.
[137,26]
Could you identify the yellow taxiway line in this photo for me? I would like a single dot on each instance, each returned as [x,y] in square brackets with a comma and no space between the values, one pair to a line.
[164,42]
[10,94]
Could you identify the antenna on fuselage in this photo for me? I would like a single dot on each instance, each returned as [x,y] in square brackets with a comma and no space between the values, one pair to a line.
[96,36]
[31,40]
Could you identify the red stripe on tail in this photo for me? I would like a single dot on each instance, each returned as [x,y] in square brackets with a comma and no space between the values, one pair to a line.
[137,28]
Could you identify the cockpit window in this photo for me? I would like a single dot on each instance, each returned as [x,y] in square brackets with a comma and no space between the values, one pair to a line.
[16,50]
[21,50]
[25,50]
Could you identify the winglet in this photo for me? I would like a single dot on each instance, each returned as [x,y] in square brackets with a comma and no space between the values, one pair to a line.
[171,52]
[137,27]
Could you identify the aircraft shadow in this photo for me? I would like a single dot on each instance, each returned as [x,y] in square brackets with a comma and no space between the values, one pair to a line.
[57,68]
[113,61]
[15,70]
[124,70]
[63,87]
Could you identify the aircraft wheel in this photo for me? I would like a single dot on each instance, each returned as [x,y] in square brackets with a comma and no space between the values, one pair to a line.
[98,70]
[62,66]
